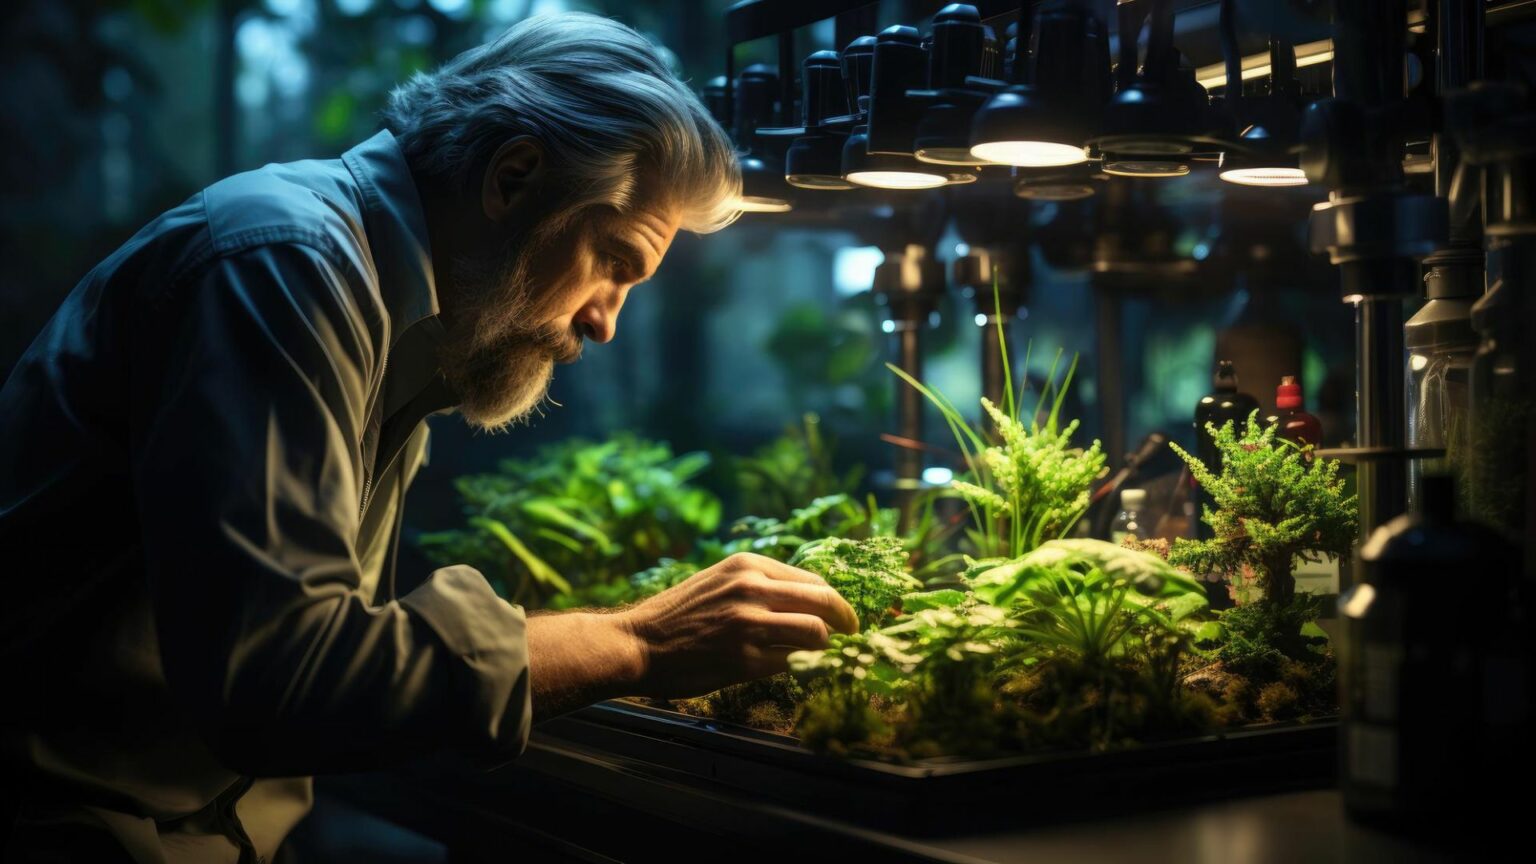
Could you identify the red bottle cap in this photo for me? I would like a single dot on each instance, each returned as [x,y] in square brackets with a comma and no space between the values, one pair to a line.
[1288,394]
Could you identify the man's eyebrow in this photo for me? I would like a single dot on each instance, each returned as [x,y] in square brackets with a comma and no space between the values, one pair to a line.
[637,258]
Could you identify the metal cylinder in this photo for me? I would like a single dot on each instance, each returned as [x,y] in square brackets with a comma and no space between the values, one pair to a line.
[909,403]
[900,64]
[822,96]
[1379,406]
[756,93]
[958,41]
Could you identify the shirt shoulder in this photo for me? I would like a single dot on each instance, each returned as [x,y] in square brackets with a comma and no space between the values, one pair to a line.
[315,204]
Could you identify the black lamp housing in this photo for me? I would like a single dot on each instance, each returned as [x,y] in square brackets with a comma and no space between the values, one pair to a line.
[815,159]
[1266,153]
[1048,120]
[1160,119]
[962,49]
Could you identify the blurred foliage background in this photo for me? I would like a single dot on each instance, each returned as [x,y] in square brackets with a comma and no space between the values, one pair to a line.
[114,111]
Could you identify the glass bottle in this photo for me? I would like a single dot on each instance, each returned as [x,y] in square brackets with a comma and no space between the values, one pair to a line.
[1223,404]
[1435,711]
[1441,346]
[1296,425]
[1130,521]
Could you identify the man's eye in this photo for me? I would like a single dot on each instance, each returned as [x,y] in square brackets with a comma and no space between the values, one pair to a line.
[616,264]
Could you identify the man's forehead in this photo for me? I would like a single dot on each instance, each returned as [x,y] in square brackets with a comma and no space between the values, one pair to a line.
[654,225]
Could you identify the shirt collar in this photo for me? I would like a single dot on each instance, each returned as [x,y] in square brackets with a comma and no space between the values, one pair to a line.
[402,255]
[397,231]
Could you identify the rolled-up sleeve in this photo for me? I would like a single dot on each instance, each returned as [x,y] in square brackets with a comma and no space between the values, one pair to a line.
[247,470]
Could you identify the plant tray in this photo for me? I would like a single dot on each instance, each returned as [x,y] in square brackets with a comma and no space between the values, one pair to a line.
[944,795]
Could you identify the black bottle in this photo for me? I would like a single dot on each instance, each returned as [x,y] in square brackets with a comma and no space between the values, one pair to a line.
[1223,404]
[1434,676]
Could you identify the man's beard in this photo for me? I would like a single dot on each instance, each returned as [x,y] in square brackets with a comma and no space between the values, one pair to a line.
[497,357]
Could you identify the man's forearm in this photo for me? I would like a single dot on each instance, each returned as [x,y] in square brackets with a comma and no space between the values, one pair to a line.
[577,658]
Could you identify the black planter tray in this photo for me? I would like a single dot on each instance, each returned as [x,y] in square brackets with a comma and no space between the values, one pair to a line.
[946,795]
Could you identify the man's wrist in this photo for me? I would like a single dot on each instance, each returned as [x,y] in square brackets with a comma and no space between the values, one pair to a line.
[631,649]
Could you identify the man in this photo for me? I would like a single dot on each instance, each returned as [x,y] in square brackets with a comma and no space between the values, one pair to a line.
[203,459]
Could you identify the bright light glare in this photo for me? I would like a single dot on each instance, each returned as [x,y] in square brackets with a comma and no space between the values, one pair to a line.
[1030,154]
[1265,176]
[1355,602]
[948,156]
[937,476]
[1308,54]
[758,204]
[1417,362]
[853,269]
[897,179]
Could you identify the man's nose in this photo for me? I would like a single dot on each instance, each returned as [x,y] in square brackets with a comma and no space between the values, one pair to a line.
[600,317]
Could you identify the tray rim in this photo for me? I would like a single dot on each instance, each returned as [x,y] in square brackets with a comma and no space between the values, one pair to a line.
[757,744]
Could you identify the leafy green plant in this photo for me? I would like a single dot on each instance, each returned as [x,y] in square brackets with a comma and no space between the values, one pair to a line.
[1025,483]
[870,574]
[578,519]
[1077,644]
[1273,505]
[1092,598]
[796,467]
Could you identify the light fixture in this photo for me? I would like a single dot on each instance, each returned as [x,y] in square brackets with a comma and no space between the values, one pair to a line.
[886,170]
[1045,122]
[961,47]
[1265,153]
[762,188]
[1071,183]
[1159,120]
[815,159]
[1138,166]
[1269,176]
[1258,66]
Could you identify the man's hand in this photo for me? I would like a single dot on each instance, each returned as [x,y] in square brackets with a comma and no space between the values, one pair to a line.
[734,622]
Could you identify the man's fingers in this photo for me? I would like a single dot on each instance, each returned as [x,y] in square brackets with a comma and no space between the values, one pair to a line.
[818,600]
[794,630]
[769,661]
[785,573]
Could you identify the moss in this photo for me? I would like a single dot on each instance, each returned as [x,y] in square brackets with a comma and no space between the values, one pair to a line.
[1278,701]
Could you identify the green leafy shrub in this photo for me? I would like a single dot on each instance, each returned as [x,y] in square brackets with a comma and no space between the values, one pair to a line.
[1273,504]
[1077,644]
[1025,483]
[578,519]
[796,467]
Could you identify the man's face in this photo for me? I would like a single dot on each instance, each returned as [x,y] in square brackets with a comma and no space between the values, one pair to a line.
[531,303]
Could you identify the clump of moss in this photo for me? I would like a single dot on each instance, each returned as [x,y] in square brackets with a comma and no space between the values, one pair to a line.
[767,703]
[871,574]
[840,718]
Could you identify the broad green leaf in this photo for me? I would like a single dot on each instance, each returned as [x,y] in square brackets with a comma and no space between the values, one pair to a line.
[540,571]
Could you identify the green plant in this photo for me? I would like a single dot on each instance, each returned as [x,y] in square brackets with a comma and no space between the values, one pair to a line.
[1094,599]
[870,574]
[1077,644]
[797,466]
[1025,483]
[574,522]
[1273,504]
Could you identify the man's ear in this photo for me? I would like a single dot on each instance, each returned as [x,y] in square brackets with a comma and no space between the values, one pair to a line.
[510,175]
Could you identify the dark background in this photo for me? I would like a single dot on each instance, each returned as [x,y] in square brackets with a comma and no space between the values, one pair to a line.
[114,111]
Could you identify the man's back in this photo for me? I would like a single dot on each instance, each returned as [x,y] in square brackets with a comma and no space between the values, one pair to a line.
[201,469]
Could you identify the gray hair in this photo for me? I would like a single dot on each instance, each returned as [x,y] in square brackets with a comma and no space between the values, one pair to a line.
[598,96]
